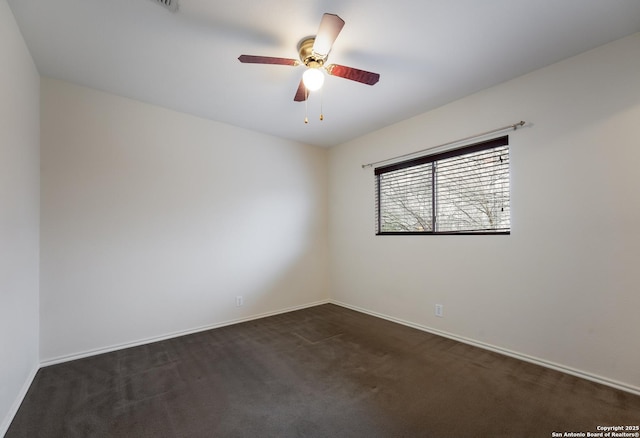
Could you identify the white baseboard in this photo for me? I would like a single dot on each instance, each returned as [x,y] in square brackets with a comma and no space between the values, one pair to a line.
[6,422]
[524,357]
[94,352]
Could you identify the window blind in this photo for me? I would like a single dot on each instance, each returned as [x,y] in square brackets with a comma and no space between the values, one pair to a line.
[464,191]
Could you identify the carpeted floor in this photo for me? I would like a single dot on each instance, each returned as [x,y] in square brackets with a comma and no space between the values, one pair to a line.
[325,371]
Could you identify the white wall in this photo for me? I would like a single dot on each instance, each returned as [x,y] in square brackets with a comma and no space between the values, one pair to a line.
[19,216]
[154,221]
[564,286]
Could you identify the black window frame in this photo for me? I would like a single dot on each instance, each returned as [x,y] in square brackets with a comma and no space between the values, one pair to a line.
[425,159]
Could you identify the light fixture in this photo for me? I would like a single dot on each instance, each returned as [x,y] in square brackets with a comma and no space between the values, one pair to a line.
[313,79]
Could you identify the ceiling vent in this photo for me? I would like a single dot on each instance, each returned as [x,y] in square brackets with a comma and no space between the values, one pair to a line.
[172,5]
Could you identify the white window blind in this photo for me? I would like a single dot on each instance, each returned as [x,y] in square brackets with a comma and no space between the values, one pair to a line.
[465,191]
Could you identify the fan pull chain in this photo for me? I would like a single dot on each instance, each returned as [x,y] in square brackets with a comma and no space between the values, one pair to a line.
[306,111]
[321,94]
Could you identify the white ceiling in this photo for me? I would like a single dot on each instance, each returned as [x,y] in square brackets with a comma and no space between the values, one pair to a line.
[428,53]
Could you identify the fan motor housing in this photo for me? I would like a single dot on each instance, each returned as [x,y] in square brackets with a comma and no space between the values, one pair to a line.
[307,56]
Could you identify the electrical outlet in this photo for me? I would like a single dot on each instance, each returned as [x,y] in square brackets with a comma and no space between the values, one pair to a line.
[239,301]
[439,310]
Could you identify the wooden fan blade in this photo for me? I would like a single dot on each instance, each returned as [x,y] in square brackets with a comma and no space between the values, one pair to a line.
[354,74]
[251,59]
[301,94]
[330,27]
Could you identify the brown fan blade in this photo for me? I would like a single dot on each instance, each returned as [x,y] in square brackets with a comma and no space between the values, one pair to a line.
[330,27]
[267,60]
[354,74]
[301,94]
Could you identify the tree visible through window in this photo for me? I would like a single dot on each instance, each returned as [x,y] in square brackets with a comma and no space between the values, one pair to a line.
[465,191]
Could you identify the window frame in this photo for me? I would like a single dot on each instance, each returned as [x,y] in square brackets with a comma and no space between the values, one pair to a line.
[430,158]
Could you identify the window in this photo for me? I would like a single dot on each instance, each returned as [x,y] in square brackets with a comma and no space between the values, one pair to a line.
[465,191]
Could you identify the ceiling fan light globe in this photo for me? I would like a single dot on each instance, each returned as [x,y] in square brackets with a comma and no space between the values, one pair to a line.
[313,79]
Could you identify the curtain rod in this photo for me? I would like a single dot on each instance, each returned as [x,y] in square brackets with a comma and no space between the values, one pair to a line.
[514,127]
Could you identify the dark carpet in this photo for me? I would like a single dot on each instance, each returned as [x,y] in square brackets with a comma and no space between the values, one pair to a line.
[325,371]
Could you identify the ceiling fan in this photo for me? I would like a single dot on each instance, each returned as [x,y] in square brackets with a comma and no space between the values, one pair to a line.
[313,52]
